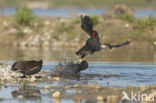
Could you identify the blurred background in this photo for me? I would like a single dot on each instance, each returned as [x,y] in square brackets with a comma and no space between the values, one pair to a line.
[50,29]
[76,4]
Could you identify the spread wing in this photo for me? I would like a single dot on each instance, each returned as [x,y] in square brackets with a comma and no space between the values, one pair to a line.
[117,45]
[85,50]
[87,25]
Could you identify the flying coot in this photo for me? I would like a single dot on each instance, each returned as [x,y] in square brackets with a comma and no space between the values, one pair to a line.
[27,67]
[69,69]
[93,43]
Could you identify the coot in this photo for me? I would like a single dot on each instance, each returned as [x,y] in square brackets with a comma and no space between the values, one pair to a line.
[93,43]
[69,69]
[27,67]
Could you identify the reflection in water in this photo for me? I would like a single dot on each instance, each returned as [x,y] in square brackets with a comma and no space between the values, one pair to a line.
[27,93]
[56,100]
[58,54]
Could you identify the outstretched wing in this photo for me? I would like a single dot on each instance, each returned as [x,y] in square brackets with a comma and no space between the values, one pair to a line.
[87,25]
[83,51]
[117,45]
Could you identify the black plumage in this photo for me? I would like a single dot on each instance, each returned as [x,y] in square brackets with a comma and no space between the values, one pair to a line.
[69,69]
[87,25]
[27,67]
[93,43]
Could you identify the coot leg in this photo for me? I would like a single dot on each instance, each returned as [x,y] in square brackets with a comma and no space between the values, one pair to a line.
[27,76]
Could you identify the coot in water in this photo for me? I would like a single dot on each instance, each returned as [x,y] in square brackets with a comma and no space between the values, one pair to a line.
[93,43]
[69,69]
[27,67]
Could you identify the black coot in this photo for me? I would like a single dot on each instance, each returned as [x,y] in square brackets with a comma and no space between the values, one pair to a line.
[69,69]
[27,67]
[93,43]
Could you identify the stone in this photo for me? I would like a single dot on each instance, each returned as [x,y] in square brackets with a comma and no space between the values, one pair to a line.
[47,87]
[76,85]
[56,78]
[98,87]
[112,99]
[56,94]
[27,30]
[127,25]
[100,98]
[32,79]
[47,23]
[20,96]
[5,23]
[142,87]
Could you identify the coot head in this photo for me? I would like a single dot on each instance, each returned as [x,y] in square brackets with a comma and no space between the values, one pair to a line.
[40,62]
[84,65]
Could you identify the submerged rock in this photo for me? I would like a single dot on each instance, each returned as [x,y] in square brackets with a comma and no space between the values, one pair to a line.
[27,93]
[69,69]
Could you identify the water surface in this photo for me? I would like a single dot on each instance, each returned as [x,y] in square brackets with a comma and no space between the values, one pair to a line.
[103,73]
[118,68]
[64,12]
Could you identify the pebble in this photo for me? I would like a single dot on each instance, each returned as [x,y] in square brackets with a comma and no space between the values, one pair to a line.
[5,23]
[100,98]
[126,25]
[98,87]
[67,87]
[56,78]
[56,94]
[20,96]
[142,87]
[47,23]
[76,85]
[47,87]
[77,100]
[32,79]
[112,98]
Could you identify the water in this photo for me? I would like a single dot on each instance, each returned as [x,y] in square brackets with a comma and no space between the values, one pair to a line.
[117,68]
[116,74]
[103,73]
[58,54]
[64,12]
[134,67]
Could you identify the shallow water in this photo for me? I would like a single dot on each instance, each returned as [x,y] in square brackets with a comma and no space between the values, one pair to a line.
[117,68]
[123,54]
[103,73]
[111,74]
[134,67]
